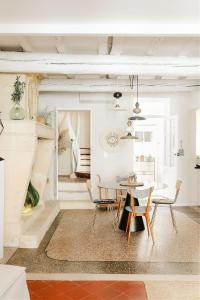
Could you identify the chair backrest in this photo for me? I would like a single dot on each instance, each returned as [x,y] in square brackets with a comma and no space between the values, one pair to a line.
[89,190]
[99,182]
[178,187]
[141,194]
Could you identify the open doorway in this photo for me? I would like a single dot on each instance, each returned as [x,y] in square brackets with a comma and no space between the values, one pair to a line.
[73,153]
[149,150]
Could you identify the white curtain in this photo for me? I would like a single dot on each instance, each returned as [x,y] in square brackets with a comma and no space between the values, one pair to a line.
[68,141]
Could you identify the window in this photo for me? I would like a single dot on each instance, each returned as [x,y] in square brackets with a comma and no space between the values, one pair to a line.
[144,136]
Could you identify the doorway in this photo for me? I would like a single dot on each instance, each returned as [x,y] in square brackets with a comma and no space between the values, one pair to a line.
[149,150]
[73,159]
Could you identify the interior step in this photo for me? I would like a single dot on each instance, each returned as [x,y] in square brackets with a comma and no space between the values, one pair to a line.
[34,231]
[85,156]
[72,186]
[84,151]
[76,204]
[70,195]
[84,169]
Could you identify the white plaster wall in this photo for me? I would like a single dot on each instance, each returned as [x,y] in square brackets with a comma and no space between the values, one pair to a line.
[183,105]
[110,165]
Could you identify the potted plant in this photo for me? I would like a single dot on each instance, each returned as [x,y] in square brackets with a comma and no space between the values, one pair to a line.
[132,177]
[17,111]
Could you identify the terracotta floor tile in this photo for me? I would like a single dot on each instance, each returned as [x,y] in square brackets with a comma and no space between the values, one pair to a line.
[137,292]
[86,290]
[108,293]
[34,296]
[37,284]
[47,292]
[81,282]
[63,286]
[94,297]
[78,293]
[122,286]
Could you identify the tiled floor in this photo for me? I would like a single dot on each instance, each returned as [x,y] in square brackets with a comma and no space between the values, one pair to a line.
[36,260]
[87,290]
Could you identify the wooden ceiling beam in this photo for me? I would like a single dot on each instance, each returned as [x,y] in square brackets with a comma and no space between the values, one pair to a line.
[98,64]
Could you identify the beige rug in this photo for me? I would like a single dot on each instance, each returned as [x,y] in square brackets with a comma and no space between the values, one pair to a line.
[75,240]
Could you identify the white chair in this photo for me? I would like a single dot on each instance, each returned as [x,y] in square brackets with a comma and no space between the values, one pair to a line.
[162,200]
[140,211]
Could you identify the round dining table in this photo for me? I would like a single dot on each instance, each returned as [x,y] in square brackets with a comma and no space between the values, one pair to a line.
[137,223]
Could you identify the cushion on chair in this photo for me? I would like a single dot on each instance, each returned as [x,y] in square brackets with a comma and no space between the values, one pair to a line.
[138,209]
[162,201]
[104,201]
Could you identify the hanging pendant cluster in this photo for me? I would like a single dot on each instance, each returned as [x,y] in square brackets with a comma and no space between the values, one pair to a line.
[136,111]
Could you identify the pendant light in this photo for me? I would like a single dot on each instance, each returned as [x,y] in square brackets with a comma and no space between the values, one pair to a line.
[117,96]
[129,130]
[137,109]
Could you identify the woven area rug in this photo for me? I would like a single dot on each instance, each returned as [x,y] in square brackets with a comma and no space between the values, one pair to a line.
[76,240]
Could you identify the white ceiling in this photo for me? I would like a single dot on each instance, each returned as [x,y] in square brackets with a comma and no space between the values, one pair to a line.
[98,12]
[107,27]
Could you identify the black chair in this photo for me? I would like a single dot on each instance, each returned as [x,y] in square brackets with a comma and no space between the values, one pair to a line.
[108,203]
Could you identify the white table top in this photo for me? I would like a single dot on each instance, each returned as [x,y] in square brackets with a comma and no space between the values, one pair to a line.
[113,185]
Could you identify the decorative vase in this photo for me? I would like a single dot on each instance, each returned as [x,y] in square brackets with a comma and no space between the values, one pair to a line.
[17,112]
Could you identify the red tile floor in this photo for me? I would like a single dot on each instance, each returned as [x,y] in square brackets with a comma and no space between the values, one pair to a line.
[86,290]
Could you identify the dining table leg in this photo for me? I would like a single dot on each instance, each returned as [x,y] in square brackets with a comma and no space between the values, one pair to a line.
[137,222]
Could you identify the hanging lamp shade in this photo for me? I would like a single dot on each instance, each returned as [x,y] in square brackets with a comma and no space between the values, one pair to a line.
[137,118]
[137,109]
[129,130]
[117,106]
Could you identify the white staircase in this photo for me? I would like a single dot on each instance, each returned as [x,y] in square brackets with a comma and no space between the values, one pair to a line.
[73,195]
[85,160]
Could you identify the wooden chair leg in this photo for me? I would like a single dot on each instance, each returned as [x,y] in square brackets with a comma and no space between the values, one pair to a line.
[154,214]
[127,224]
[118,210]
[151,231]
[147,223]
[173,219]
[129,230]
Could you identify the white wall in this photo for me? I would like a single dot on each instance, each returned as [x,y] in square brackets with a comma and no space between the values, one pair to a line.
[183,105]
[109,165]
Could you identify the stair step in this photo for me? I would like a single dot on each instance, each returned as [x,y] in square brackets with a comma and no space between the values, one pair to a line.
[85,151]
[72,186]
[76,204]
[81,196]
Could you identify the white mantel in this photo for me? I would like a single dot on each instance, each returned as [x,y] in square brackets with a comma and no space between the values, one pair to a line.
[27,148]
